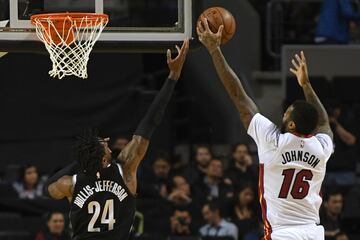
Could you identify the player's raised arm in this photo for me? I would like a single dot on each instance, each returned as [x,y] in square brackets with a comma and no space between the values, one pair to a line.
[244,104]
[56,184]
[62,188]
[301,72]
[135,151]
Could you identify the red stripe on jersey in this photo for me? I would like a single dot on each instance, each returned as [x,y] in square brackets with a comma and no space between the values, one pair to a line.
[299,135]
[267,226]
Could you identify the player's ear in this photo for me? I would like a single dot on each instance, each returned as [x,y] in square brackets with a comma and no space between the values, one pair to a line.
[291,126]
[104,161]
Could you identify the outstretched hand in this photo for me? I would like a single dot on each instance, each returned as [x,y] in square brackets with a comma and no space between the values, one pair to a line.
[176,64]
[210,40]
[301,69]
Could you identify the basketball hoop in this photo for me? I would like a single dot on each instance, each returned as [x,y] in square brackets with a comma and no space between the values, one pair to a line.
[69,38]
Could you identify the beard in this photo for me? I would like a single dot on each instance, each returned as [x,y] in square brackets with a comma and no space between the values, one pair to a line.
[241,161]
[162,176]
[203,164]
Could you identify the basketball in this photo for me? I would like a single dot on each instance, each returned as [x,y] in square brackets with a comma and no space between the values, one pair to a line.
[218,16]
[206,109]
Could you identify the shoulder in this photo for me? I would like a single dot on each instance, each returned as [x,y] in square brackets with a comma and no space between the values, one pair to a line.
[326,143]
[286,138]
[40,236]
[66,180]
[40,184]
[323,138]
[229,225]
[18,185]
[65,183]
[264,132]
[260,122]
[257,118]
[204,228]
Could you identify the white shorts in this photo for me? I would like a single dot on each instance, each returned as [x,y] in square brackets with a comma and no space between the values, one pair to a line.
[306,232]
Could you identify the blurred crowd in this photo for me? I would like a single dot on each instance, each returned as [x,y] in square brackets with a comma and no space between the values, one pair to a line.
[318,21]
[321,22]
[211,196]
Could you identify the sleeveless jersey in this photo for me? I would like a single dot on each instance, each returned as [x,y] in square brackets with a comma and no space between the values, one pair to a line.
[292,170]
[102,208]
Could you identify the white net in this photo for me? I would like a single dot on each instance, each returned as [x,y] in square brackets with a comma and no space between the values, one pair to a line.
[69,41]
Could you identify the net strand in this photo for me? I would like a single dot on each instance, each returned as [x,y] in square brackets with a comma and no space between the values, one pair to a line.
[70,46]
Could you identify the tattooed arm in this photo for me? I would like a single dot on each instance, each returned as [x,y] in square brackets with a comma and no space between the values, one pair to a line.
[135,151]
[300,70]
[244,104]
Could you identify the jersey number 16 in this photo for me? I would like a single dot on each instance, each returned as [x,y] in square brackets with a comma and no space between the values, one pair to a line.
[300,187]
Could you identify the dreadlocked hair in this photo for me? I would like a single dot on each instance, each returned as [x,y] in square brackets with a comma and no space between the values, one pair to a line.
[90,152]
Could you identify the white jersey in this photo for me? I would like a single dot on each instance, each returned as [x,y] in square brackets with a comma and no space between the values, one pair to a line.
[292,170]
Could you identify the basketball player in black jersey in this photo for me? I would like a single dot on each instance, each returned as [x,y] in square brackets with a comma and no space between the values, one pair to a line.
[102,192]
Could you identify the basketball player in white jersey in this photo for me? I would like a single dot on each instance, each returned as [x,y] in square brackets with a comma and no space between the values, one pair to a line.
[292,158]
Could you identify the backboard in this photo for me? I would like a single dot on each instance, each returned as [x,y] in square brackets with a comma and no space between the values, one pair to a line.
[135,25]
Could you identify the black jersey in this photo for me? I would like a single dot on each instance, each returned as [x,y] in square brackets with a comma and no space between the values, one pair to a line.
[102,208]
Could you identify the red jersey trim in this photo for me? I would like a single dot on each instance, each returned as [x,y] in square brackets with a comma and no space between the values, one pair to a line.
[305,136]
[267,226]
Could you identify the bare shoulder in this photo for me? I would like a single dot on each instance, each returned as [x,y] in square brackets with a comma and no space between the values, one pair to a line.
[62,188]
[66,181]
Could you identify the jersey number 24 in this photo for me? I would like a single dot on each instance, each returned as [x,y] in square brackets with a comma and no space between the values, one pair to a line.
[300,187]
[107,216]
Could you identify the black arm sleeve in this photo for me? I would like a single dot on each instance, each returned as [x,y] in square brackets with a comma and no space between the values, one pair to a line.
[67,171]
[156,111]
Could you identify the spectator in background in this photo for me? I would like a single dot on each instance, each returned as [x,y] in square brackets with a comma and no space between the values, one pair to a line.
[180,223]
[181,195]
[334,22]
[29,186]
[197,169]
[240,171]
[118,145]
[213,185]
[216,226]
[345,136]
[55,228]
[157,183]
[330,216]
[345,156]
[341,236]
[245,214]
[180,192]
[257,233]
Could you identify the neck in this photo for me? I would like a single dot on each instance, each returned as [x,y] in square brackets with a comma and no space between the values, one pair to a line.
[332,215]
[300,135]
[217,221]
[29,186]
[240,206]
[240,166]
[212,180]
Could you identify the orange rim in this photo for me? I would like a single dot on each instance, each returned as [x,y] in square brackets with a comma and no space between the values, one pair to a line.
[61,17]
